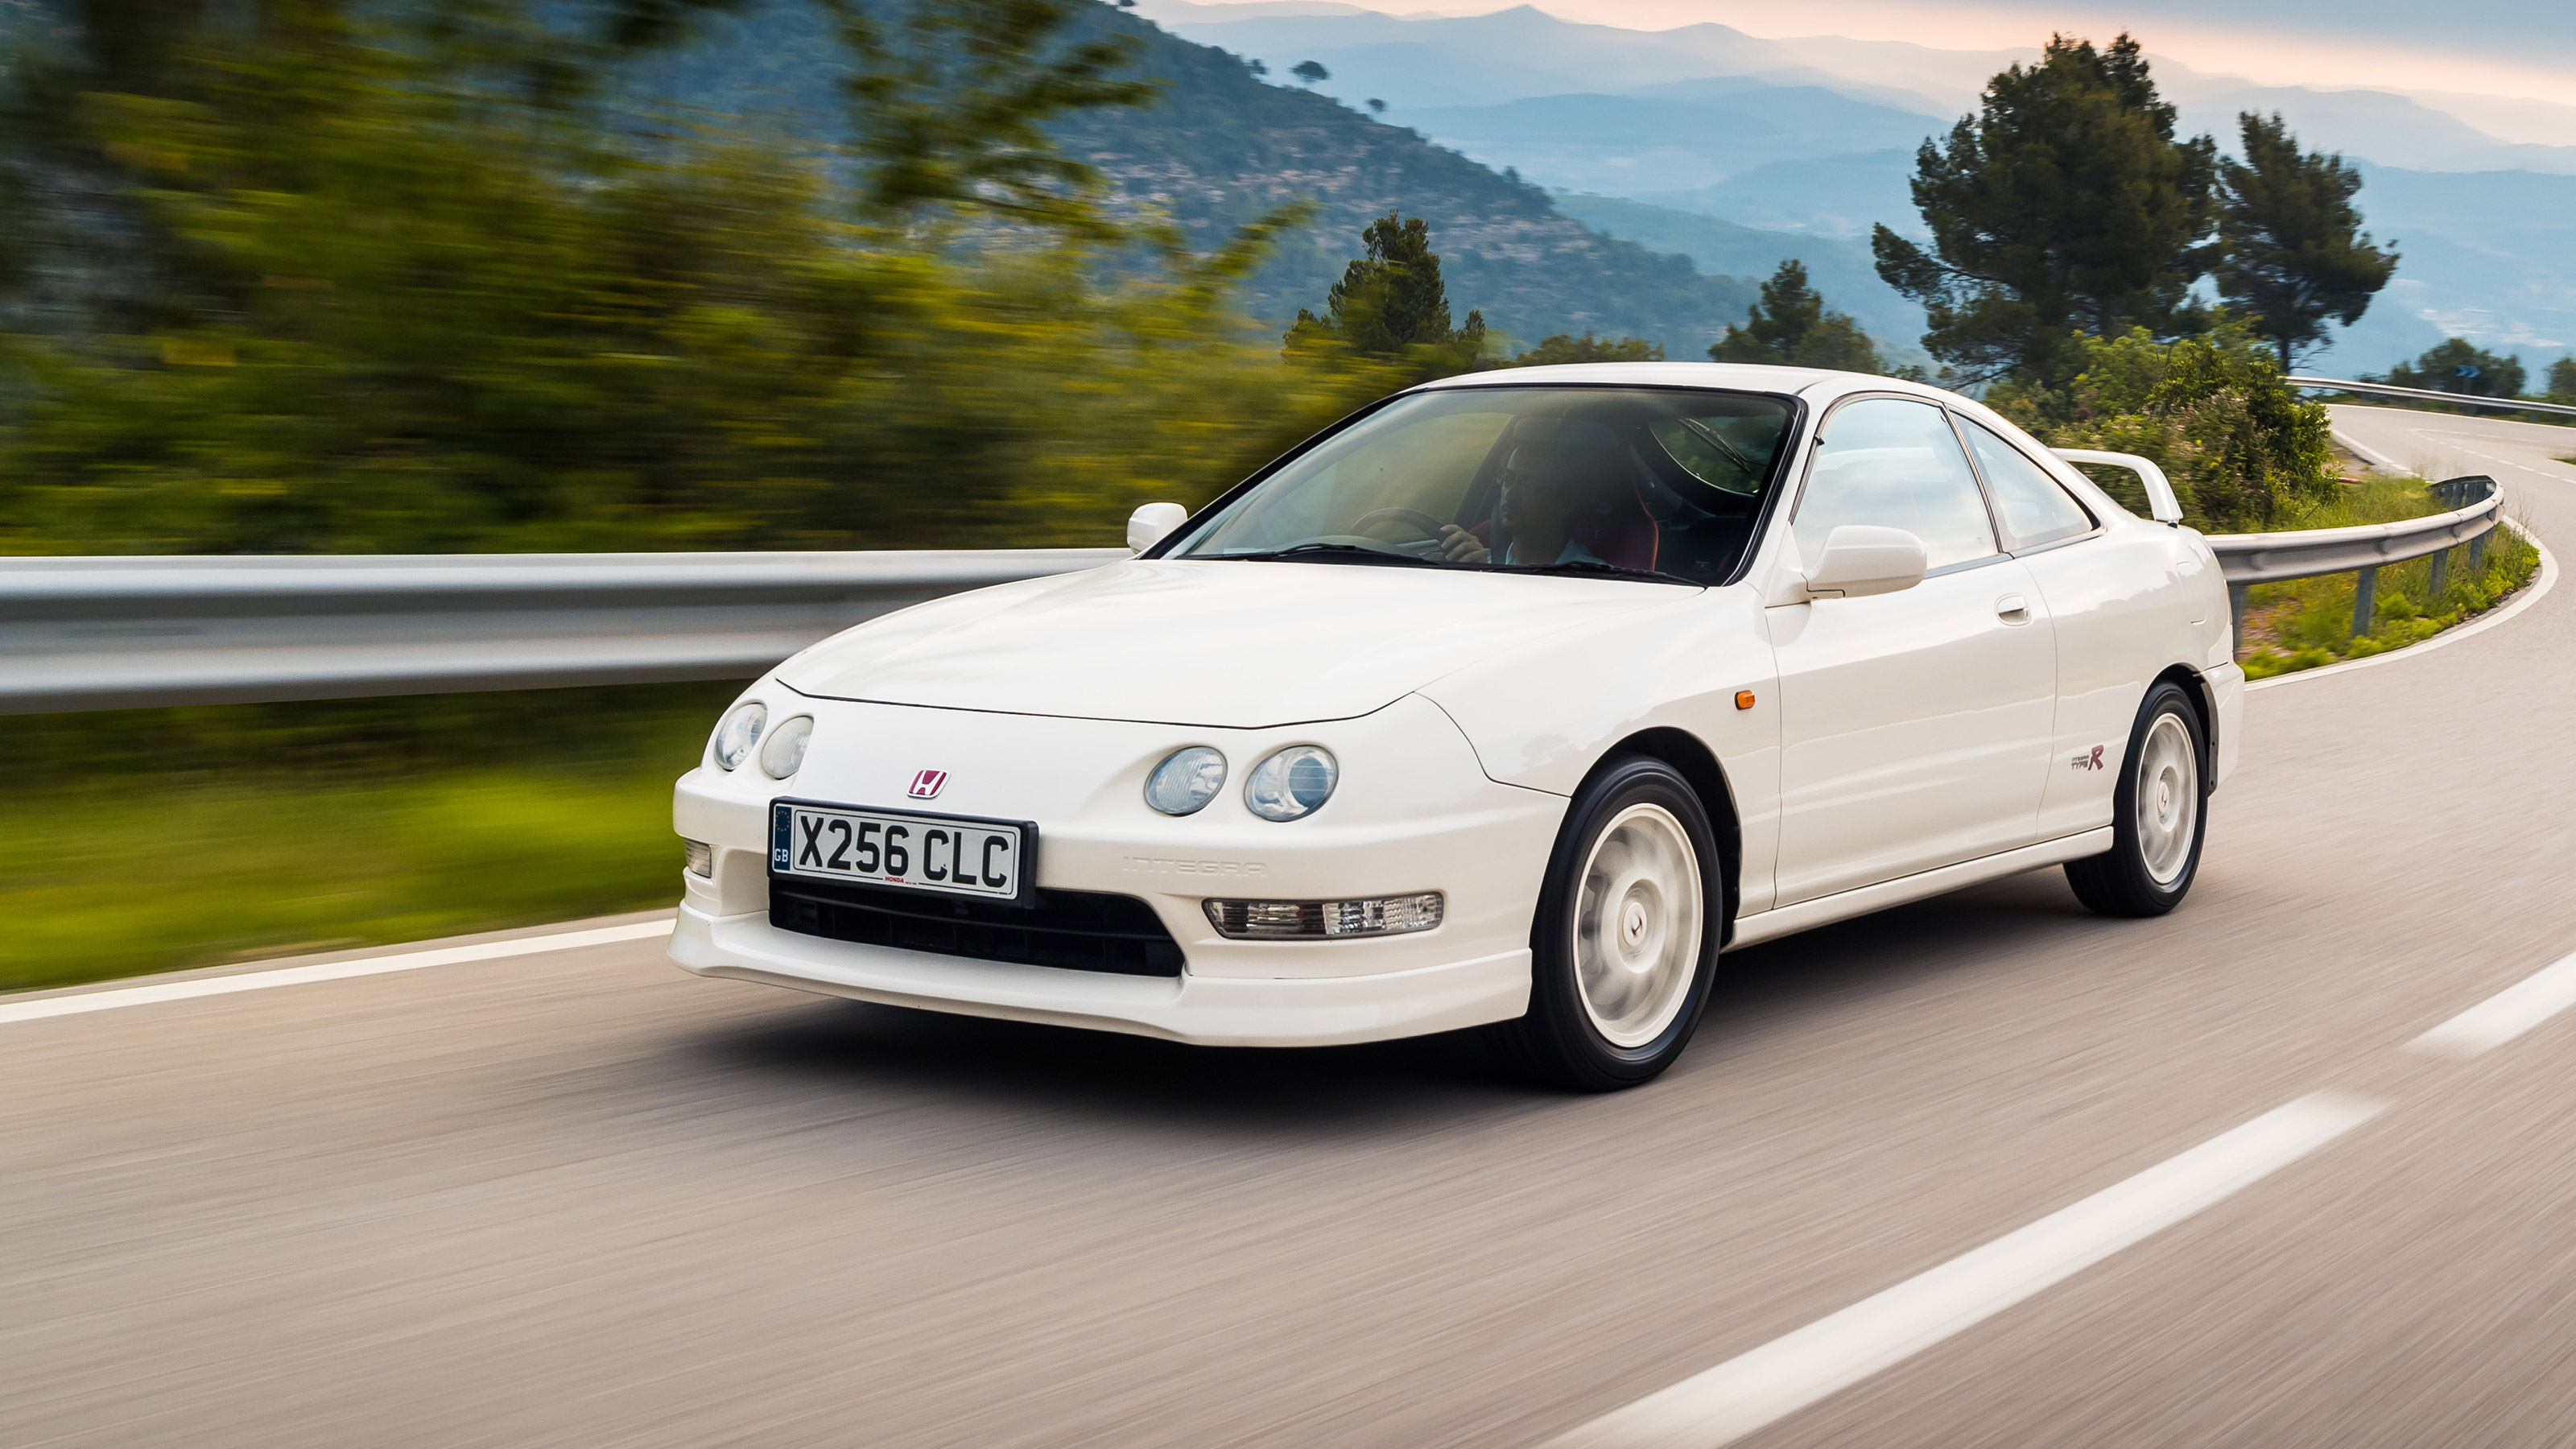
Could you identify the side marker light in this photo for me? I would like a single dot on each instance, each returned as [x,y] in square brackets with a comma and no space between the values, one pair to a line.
[1744,699]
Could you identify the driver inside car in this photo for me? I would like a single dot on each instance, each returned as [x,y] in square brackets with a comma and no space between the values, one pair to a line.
[1545,487]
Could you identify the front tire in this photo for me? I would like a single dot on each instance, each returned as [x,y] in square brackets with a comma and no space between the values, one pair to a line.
[2159,814]
[1624,943]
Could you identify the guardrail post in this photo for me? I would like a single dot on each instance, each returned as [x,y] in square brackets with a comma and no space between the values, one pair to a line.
[2478,555]
[2441,581]
[2236,616]
[2365,600]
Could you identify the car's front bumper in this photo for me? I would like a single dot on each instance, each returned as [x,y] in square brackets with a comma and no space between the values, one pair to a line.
[1207,1010]
[1414,812]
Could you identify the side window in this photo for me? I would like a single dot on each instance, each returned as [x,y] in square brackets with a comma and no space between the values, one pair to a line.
[1894,462]
[2035,510]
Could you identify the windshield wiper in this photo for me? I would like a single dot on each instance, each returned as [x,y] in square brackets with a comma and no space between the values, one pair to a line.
[1328,553]
[1727,450]
[1586,566]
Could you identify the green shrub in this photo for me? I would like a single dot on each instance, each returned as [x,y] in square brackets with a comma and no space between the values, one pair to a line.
[2245,454]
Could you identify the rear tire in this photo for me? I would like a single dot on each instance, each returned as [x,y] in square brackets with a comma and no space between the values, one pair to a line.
[2159,813]
[1624,943]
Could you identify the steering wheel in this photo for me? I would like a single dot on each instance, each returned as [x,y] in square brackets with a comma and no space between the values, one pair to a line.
[1423,523]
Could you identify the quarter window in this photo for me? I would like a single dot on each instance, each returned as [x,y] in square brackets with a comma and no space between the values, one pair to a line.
[2035,509]
[1894,463]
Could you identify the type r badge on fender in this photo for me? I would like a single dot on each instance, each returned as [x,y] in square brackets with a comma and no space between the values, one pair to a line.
[925,784]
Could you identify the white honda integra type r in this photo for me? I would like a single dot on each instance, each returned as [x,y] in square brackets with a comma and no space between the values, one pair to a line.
[1508,702]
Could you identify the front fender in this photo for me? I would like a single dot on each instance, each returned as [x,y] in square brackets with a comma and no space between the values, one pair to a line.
[1541,718]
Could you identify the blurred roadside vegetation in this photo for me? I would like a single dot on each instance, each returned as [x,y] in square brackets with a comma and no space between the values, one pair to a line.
[328,278]
[165,839]
[321,278]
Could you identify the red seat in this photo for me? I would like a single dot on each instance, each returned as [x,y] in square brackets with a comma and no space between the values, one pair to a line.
[1625,535]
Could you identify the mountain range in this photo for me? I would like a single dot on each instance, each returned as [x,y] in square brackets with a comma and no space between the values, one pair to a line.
[1812,141]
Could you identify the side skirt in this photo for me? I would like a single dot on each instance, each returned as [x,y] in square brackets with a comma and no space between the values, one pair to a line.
[1843,905]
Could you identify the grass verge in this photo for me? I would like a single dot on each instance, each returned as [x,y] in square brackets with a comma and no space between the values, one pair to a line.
[165,839]
[2307,623]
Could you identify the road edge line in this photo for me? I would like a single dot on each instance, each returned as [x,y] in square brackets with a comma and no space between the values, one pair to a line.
[114,997]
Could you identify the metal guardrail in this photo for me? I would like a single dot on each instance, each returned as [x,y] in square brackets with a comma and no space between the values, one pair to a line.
[2269,558]
[111,633]
[2420,394]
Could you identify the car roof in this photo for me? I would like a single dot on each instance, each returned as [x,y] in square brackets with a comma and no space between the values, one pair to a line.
[1814,383]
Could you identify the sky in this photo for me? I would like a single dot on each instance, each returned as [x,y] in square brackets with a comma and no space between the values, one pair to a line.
[2497,49]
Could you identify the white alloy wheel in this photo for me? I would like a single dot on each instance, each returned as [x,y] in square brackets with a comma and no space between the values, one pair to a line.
[1636,925]
[2168,799]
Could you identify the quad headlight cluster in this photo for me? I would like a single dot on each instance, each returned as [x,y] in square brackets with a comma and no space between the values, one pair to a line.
[1289,784]
[783,756]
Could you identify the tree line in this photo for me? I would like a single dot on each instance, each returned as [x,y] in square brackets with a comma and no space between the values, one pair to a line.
[320,276]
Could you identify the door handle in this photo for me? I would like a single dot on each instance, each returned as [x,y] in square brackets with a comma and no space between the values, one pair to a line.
[2013,609]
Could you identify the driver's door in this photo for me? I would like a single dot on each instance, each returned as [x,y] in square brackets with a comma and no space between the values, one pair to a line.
[1915,726]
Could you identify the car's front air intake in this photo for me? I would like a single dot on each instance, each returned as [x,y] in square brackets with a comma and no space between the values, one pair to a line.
[1071,930]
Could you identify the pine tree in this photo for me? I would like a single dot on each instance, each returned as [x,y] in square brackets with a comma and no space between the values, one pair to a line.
[2293,253]
[2461,366]
[2064,206]
[1391,303]
[1792,327]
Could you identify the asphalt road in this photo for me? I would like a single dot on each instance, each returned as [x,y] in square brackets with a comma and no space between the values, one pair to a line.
[579,1198]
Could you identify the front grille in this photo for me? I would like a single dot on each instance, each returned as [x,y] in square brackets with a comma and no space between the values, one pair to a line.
[1074,930]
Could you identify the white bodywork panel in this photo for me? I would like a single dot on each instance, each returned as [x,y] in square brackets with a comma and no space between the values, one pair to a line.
[1873,749]
[1915,729]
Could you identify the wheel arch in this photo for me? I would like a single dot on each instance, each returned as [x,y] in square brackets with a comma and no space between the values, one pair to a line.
[2196,685]
[1697,764]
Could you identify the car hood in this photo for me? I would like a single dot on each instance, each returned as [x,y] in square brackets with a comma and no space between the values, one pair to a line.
[1205,642]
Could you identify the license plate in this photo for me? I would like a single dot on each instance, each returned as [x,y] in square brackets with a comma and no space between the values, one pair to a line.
[948,854]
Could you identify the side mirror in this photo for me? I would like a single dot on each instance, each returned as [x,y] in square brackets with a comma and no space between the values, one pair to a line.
[1151,522]
[1861,559]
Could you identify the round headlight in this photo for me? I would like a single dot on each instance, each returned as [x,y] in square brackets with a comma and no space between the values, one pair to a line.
[786,748]
[739,732]
[1291,783]
[1187,780]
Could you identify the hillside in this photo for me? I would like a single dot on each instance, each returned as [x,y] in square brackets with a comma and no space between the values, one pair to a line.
[1839,267]
[1223,147]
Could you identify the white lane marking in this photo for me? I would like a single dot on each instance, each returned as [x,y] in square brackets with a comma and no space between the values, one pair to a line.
[52,1006]
[2506,1015]
[2531,594]
[1788,1374]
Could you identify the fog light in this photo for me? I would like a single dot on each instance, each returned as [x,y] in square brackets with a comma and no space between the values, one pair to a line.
[1319,920]
[702,856]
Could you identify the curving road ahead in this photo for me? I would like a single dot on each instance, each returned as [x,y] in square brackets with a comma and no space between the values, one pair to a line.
[572,1196]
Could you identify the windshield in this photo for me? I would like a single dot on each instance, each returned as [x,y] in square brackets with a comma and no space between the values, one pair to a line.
[1642,480]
